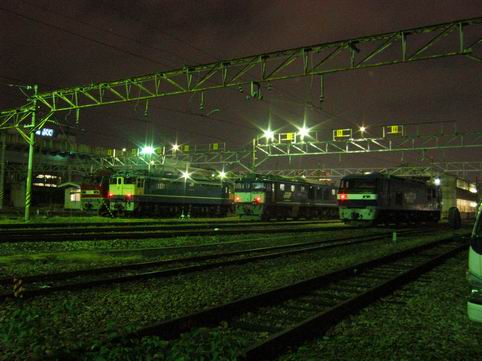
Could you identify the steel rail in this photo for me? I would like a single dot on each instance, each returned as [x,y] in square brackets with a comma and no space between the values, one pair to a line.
[286,250]
[88,227]
[305,329]
[163,233]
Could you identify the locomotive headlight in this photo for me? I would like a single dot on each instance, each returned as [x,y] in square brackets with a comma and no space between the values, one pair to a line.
[437,181]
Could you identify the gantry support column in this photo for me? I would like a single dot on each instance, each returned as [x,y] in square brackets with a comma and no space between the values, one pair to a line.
[31,144]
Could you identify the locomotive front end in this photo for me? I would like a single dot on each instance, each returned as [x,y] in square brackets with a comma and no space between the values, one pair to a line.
[358,199]
[123,192]
[249,199]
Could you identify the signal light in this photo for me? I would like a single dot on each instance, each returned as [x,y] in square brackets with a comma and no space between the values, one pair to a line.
[110,195]
[129,196]
[257,199]
[342,197]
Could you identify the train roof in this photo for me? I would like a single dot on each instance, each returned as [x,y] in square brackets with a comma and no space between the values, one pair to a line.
[377,175]
[252,177]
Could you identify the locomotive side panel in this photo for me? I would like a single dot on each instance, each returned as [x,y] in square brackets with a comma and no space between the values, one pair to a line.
[265,197]
[168,195]
[378,198]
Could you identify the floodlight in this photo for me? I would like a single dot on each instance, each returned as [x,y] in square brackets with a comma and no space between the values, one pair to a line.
[185,175]
[175,147]
[148,149]
[363,129]
[303,131]
[268,134]
[222,174]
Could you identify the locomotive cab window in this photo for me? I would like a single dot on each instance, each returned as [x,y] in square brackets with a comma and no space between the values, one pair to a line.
[241,186]
[258,186]
[140,182]
[281,187]
[161,186]
[292,187]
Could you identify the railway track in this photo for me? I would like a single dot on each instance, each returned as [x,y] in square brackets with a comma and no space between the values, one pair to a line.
[155,231]
[8,227]
[36,285]
[270,322]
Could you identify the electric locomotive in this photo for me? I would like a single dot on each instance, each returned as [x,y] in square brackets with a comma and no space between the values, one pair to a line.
[474,273]
[378,198]
[94,190]
[169,192]
[268,197]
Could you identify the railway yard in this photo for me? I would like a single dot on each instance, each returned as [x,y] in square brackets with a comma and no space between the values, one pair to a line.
[230,290]
[240,180]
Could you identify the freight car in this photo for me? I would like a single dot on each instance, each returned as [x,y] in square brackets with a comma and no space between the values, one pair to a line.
[169,193]
[267,197]
[378,198]
[94,189]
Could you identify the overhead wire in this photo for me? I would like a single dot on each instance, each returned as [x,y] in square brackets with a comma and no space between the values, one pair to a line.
[98,28]
[67,31]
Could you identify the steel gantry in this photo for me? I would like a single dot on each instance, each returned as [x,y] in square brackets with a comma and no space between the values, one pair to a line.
[456,38]
[399,143]
[460,169]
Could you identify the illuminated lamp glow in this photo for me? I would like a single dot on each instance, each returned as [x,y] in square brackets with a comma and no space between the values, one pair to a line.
[303,131]
[257,199]
[148,149]
[437,181]
[185,175]
[342,196]
[473,204]
[268,134]
[222,174]
[129,196]
[237,198]
[175,147]
[110,195]
[363,129]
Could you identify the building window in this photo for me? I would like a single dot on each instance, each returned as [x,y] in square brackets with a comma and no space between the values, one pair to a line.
[75,196]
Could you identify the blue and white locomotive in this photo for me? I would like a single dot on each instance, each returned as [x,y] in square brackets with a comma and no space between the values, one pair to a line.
[267,197]
[379,198]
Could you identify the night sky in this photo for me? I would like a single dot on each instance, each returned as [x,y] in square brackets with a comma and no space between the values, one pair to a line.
[66,43]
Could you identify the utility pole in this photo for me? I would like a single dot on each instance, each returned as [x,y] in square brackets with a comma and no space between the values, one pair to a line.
[2,168]
[31,144]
